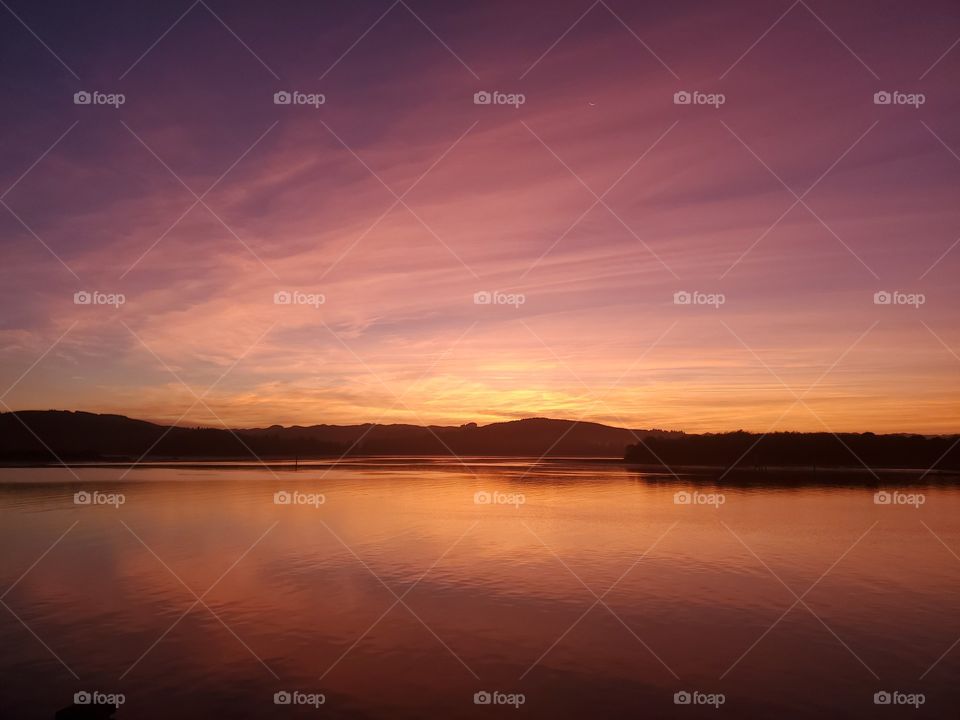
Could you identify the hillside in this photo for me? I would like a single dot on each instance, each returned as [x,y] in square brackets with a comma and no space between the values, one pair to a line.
[792,449]
[42,436]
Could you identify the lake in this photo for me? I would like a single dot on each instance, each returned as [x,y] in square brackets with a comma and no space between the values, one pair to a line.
[414,588]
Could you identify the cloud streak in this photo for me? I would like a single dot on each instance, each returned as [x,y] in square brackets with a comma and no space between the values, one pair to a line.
[508,203]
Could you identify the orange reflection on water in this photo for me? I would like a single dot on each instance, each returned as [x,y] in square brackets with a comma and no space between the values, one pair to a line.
[568,581]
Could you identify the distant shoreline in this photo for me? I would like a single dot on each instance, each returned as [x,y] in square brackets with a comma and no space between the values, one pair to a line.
[787,475]
[50,438]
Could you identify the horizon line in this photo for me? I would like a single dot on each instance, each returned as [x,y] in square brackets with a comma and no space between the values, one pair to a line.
[583,421]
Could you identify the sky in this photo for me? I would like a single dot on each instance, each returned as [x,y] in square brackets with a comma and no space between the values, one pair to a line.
[451,261]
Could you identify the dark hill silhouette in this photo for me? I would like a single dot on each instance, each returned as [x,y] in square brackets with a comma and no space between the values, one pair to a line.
[791,449]
[36,436]
[86,436]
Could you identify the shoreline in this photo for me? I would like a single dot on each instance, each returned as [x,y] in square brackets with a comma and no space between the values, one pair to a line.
[694,473]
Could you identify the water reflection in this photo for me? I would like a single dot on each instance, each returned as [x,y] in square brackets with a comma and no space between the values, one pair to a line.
[400,596]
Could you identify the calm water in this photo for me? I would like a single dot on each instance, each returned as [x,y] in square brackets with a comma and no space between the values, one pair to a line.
[492,596]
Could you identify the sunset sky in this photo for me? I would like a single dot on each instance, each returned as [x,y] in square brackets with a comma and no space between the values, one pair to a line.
[399,198]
